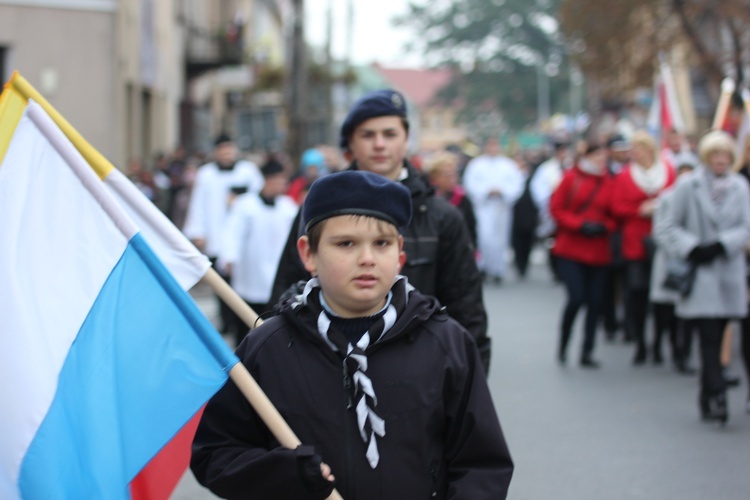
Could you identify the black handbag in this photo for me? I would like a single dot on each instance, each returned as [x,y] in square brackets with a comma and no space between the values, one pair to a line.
[681,273]
[680,276]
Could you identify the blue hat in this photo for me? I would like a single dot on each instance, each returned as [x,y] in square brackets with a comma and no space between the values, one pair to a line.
[371,105]
[357,192]
[313,158]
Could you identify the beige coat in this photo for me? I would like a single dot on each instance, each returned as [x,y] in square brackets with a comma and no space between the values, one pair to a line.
[693,218]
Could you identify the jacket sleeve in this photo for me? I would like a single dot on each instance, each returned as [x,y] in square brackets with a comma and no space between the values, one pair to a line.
[669,228]
[623,206]
[290,270]
[459,285]
[235,456]
[564,217]
[195,219]
[735,238]
[479,465]
[233,234]
[467,209]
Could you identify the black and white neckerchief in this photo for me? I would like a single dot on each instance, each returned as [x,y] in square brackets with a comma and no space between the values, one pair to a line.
[370,424]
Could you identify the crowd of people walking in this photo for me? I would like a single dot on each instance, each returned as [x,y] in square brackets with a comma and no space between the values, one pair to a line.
[634,230]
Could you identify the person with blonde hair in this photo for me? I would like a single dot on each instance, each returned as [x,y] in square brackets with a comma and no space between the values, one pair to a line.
[441,169]
[708,224]
[634,203]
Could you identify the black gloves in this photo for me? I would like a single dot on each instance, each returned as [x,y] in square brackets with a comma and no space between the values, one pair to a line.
[308,462]
[592,229]
[706,253]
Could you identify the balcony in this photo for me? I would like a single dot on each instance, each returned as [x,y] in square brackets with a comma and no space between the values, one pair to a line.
[205,51]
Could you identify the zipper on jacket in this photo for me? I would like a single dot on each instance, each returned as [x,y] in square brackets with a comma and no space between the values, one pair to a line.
[347,387]
[433,474]
[349,452]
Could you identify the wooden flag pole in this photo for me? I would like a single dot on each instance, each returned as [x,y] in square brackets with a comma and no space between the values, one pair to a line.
[727,89]
[230,297]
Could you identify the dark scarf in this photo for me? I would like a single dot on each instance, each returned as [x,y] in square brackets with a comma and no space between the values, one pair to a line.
[355,358]
[226,168]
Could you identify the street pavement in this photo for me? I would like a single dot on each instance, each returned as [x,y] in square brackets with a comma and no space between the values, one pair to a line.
[619,432]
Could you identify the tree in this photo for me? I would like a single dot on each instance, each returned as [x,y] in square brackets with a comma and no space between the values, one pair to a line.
[617,42]
[497,49]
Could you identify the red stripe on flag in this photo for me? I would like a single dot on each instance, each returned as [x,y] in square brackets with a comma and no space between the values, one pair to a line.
[158,479]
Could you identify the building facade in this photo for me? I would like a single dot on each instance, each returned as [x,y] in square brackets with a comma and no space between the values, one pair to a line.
[140,77]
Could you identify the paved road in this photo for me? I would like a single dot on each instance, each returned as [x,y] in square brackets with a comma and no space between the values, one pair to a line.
[615,433]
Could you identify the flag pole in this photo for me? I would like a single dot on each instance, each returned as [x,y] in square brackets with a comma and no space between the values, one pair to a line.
[727,89]
[230,297]
[746,100]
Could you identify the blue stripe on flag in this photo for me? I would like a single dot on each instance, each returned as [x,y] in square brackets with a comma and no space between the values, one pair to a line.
[144,361]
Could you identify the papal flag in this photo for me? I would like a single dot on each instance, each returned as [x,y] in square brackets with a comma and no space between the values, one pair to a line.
[186,264]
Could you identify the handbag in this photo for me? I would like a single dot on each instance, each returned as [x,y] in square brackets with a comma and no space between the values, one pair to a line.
[680,276]
[681,273]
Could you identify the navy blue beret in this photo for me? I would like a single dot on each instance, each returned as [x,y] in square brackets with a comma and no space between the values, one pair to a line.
[357,192]
[371,105]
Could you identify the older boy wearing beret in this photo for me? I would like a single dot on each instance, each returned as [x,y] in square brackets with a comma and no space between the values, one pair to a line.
[375,379]
[439,253]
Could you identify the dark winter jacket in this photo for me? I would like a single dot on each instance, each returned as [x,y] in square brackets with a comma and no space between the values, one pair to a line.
[439,261]
[443,439]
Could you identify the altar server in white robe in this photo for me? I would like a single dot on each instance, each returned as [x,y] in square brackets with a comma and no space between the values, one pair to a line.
[254,236]
[494,183]
[216,185]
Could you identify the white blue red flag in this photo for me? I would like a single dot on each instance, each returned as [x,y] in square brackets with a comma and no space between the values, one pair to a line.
[104,355]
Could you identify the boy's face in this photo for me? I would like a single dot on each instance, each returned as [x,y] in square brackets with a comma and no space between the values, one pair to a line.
[379,145]
[356,262]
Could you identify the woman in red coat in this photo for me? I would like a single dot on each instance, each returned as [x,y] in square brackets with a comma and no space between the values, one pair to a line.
[634,203]
[580,207]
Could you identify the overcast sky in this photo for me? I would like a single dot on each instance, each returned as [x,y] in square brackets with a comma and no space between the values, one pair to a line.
[374,38]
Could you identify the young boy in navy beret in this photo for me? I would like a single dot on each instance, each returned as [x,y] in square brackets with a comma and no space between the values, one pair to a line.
[384,389]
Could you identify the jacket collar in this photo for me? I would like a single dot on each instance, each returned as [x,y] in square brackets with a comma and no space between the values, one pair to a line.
[715,214]
[414,180]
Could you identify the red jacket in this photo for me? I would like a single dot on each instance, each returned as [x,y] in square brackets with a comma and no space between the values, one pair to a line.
[626,200]
[582,197]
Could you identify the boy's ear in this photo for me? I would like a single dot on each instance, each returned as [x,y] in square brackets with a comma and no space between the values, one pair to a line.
[401,253]
[306,255]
